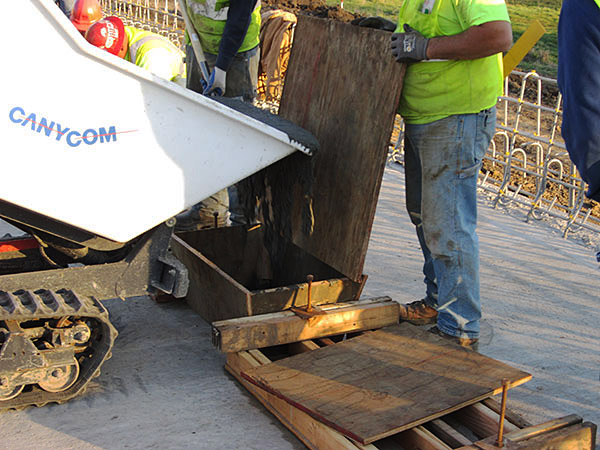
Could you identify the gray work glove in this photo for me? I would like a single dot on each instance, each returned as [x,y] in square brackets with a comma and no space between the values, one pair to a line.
[377,22]
[216,83]
[410,46]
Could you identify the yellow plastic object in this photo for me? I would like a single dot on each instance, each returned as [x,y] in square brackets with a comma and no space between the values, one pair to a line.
[525,43]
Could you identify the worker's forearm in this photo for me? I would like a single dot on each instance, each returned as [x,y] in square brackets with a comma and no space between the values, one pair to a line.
[476,42]
[238,20]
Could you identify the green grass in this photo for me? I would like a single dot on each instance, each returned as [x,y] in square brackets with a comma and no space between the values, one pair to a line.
[384,8]
[543,57]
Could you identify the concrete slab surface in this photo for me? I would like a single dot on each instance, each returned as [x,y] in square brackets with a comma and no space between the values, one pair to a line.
[165,387]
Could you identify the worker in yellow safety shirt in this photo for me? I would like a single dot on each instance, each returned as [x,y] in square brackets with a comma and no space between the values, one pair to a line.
[229,34]
[145,49]
[452,50]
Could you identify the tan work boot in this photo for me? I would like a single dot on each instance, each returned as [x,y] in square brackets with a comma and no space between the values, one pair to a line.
[471,343]
[418,313]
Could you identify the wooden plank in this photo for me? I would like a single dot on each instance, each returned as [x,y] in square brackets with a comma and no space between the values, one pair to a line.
[510,415]
[448,434]
[551,425]
[311,432]
[384,382]
[419,438]
[482,421]
[335,92]
[285,327]
[579,436]
[576,437]
[259,356]
[302,347]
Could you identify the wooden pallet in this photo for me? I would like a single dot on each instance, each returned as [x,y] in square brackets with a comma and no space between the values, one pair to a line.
[470,428]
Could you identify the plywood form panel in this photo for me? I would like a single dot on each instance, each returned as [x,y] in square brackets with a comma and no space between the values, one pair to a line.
[384,382]
[342,85]
[311,432]
[224,300]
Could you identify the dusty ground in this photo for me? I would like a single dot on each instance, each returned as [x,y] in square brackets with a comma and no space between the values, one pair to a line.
[317,8]
[165,386]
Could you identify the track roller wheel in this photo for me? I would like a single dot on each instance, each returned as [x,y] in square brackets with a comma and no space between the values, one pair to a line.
[8,392]
[59,379]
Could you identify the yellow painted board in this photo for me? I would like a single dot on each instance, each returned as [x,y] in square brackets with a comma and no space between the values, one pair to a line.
[525,43]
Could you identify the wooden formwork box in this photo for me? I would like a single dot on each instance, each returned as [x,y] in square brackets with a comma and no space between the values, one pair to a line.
[225,264]
[334,86]
[232,271]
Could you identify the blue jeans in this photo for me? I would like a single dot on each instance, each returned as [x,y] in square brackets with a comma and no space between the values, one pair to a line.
[442,160]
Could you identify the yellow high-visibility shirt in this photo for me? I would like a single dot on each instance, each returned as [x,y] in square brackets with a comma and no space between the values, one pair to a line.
[433,90]
[155,53]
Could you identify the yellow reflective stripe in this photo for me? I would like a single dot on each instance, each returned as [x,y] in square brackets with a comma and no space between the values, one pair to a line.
[133,48]
[433,90]
[138,52]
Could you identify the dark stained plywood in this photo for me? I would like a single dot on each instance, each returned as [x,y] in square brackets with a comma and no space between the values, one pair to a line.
[229,277]
[342,85]
[384,382]
[224,300]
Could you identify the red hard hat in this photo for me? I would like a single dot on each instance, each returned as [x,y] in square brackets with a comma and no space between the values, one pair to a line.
[85,13]
[107,34]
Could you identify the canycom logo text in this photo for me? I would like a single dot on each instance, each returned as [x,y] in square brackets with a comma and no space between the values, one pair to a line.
[52,129]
